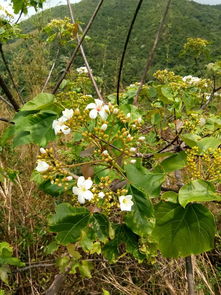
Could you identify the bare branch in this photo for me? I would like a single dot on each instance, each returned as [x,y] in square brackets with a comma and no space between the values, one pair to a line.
[6,120]
[50,73]
[78,46]
[125,48]
[9,72]
[83,54]
[56,285]
[9,95]
[152,51]
[7,102]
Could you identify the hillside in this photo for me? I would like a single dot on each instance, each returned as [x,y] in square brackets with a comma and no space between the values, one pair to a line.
[108,33]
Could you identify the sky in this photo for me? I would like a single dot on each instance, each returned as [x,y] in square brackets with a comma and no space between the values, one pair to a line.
[211,2]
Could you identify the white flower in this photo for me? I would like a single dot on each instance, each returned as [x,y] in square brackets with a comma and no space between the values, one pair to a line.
[104,127]
[128,115]
[101,195]
[139,120]
[65,129]
[115,111]
[42,150]
[141,138]
[56,125]
[69,178]
[126,203]
[82,189]
[59,126]
[133,149]
[105,152]
[190,79]
[82,70]
[133,161]
[98,108]
[68,114]
[42,166]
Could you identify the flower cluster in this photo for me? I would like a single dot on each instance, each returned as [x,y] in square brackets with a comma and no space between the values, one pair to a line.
[59,125]
[82,70]
[84,191]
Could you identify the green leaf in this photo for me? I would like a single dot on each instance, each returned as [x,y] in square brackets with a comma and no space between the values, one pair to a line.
[51,248]
[138,219]
[69,228]
[51,189]
[173,163]
[4,270]
[190,139]
[145,181]
[170,197]
[123,236]
[85,268]
[209,142]
[197,191]
[63,210]
[41,102]
[181,232]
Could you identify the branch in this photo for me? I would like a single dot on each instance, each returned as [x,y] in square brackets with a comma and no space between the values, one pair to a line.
[7,102]
[9,72]
[9,95]
[84,56]
[50,73]
[125,48]
[78,46]
[7,121]
[152,51]
[56,285]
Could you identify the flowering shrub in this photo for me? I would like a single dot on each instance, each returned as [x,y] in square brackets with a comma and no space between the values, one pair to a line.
[116,167]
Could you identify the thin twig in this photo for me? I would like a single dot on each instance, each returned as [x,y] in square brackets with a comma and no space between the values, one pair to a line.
[50,73]
[6,120]
[152,51]
[35,266]
[9,72]
[83,54]
[7,102]
[125,48]
[78,46]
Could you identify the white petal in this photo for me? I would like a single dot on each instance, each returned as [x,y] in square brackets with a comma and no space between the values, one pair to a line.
[81,199]
[42,150]
[104,127]
[42,166]
[88,195]
[81,181]
[101,195]
[93,114]
[68,113]
[75,190]
[103,114]
[65,129]
[99,102]
[69,178]
[91,106]
[62,119]
[88,183]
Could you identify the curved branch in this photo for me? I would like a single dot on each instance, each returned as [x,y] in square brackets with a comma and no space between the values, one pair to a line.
[125,49]
[152,51]
[9,72]
[9,95]
[78,46]
[84,56]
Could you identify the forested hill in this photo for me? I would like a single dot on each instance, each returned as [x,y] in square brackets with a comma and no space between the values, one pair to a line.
[108,33]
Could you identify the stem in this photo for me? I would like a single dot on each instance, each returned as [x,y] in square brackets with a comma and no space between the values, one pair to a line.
[9,72]
[78,46]
[9,95]
[189,273]
[84,56]
[125,48]
[152,51]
